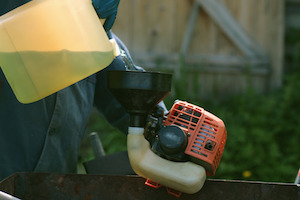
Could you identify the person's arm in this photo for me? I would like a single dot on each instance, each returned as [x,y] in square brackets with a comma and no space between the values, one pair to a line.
[111,109]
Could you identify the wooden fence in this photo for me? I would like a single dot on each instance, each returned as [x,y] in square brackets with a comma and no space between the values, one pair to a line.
[223,46]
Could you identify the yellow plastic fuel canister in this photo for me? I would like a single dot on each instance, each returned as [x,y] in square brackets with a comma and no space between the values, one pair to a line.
[47,45]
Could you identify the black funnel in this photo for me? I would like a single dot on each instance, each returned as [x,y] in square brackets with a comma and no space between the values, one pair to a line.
[139,92]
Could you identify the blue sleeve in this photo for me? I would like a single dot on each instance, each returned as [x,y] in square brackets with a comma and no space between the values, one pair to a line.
[8,5]
[111,109]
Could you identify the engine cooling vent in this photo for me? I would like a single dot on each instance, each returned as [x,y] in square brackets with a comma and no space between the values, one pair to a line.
[206,134]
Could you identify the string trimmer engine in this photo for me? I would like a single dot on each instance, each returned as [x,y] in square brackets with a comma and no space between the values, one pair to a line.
[184,145]
[187,133]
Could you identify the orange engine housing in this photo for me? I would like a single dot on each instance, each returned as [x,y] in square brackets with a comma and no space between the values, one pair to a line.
[206,134]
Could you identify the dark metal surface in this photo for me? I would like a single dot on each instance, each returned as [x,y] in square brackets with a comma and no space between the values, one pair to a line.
[71,186]
[116,163]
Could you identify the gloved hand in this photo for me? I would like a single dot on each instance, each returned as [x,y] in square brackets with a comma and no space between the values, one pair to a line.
[106,9]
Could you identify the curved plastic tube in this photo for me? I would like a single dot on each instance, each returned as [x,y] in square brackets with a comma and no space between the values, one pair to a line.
[186,177]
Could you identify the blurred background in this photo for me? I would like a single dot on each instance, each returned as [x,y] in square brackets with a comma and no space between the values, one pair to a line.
[239,60]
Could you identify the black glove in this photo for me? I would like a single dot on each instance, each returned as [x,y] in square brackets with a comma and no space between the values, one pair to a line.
[107,9]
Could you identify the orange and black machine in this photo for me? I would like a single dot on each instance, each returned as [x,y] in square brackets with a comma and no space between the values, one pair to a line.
[176,149]
[203,135]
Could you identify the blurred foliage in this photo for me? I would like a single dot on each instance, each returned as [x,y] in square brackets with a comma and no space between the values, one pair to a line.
[263,133]
[263,130]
